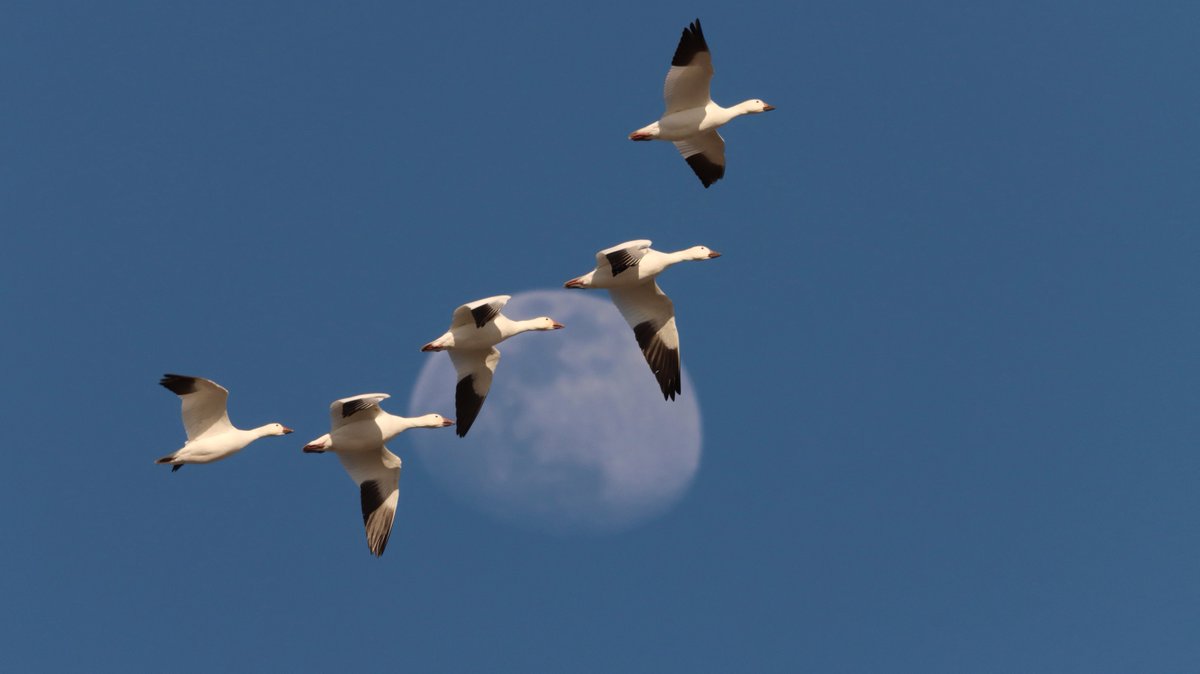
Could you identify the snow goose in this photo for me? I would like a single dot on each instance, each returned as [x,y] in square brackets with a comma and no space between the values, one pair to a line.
[628,272]
[691,119]
[210,436]
[358,431]
[475,330]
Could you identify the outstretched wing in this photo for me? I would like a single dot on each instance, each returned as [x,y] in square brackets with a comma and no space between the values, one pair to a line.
[688,80]
[378,477]
[204,411]
[480,312]
[355,408]
[705,153]
[651,314]
[475,368]
[622,256]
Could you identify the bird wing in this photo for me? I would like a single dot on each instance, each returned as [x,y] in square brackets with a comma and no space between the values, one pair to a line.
[355,408]
[204,411]
[475,368]
[687,84]
[651,314]
[622,256]
[705,153]
[480,312]
[378,477]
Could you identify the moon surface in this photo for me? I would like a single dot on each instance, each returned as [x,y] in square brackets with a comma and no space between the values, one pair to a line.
[575,436]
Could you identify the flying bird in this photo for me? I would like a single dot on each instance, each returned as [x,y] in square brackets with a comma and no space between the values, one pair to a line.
[628,271]
[691,118]
[475,330]
[358,431]
[210,436]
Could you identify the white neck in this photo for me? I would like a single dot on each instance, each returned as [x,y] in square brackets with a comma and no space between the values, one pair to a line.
[262,431]
[743,108]
[511,327]
[723,115]
[392,424]
[678,256]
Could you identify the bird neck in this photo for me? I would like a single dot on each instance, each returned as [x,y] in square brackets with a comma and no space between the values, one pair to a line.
[262,431]
[391,424]
[517,327]
[722,115]
[677,257]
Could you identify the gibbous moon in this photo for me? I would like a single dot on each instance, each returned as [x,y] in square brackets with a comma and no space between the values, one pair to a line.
[575,436]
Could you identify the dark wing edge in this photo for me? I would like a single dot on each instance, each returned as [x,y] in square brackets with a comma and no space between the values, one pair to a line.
[484,313]
[707,171]
[620,260]
[691,42]
[663,361]
[467,404]
[376,518]
[178,384]
[358,406]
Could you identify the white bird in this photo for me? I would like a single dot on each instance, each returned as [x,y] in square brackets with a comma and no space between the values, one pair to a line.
[475,330]
[691,119]
[210,436]
[358,431]
[628,272]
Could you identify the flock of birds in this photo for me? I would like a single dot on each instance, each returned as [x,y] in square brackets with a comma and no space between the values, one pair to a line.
[360,429]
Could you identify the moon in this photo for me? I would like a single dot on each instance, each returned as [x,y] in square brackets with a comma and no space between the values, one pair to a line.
[575,436]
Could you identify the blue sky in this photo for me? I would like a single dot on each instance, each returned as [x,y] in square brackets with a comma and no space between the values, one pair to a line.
[948,363]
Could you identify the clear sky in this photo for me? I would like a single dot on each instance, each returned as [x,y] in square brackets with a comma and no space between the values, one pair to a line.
[948,363]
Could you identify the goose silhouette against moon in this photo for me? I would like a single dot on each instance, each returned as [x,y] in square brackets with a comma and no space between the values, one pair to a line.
[575,437]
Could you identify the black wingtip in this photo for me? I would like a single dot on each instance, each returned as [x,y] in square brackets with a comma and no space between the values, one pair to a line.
[620,260]
[691,42]
[483,314]
[178,384]
[356,405]
[467,404]
[707,171]
[663,362]
[373,498]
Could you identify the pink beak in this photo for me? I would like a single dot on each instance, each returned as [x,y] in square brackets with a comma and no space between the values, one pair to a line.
[447,422]
[286,430]
[712,254]
[573,283]
[557,326]
[768,108]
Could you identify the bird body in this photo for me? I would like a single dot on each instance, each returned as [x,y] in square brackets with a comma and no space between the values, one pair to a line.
[358,431]
[629,272]
[633,263]
[211,436]
[367,431]
[475,330]
[685,124]
[690,119]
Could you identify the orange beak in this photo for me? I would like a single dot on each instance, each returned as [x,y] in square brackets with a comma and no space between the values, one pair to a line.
[557,326]
[287,430]
[768,108]
[712,254]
